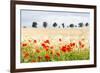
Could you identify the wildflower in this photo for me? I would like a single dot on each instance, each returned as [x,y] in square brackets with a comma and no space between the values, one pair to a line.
[24,44]
[33,61]
[60,39]
[37,50]
[72,44]
[51,47]
[39,57]
[26,55]
[45,46]
[82,45]
[47,57]
[30,40]
[66,48]
[47,41]
[35,41]
[63,48]
[58,54]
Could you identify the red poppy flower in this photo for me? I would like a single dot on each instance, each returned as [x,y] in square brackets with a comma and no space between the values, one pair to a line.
[47,41]
[72,44]
[35,41]
[37,50]
[63,48]
[26,55]
[51,47]
[24,44]
[82,45]
[45,46]
[68,45]
[66,48]
[47,57]
[39,57]
[33,61]
[30,40]
[58,54]
[60,39]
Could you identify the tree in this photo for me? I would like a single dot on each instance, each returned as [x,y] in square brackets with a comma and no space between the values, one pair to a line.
[87,24]
[24,26]
[44,24]
[71,25]
[54,24]
[80,24]
[34,24]
[75,25]
[63,25]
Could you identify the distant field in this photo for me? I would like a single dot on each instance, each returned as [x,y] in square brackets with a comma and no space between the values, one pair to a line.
[74,33]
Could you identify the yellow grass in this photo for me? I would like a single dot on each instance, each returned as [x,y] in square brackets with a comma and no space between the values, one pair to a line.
[70,33]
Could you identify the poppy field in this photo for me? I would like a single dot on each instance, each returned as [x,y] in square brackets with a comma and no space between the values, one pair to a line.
[54,48]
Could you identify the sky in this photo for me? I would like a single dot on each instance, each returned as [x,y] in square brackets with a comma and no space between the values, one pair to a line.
[30,16]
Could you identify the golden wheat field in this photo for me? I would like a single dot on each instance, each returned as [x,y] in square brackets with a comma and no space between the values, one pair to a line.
[41,33]
[42,45]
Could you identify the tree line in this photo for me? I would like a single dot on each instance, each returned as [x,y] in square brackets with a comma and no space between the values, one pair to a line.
[45,25]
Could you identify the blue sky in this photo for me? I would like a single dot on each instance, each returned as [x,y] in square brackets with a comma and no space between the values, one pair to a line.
[29,16]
